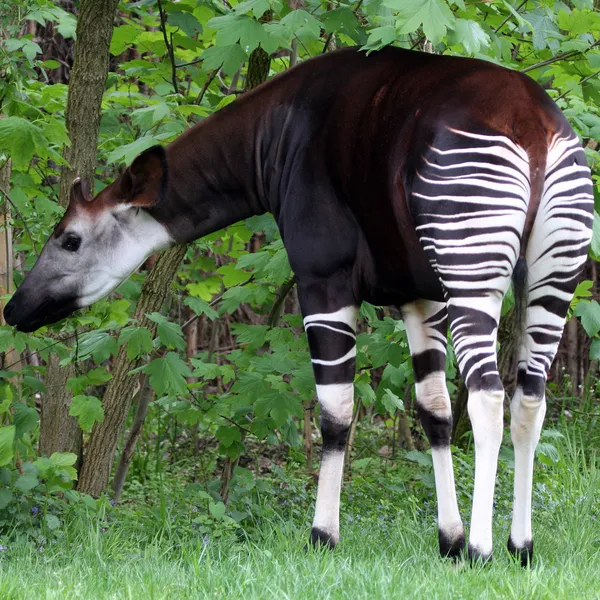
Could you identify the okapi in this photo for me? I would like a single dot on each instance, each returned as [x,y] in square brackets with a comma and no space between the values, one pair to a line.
[400,178]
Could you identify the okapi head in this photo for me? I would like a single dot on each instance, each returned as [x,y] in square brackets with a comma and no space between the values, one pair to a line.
[98,243]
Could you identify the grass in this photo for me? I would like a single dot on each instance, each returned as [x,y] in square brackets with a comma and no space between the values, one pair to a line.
[388,550]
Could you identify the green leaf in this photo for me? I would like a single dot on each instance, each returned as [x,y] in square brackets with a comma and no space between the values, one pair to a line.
[21,139]
[123,37]
[6,497]
[595,349]
[88,410]
[545,31]
[125,154]
[302,24]
[98,344]
[552,433]
[7,440]
[26,482]
[578,22]
[63,459]
[200,307]
[380,37]
[229,58]
[30,48]
[257,7]
[253,335]
[589,313]
[6,397]
[52,521]
[67,24]
[228,435]
[279,405]
[548,450]
[97,376]
[340,20]
[217,509]
[419,457]
[167,375]
[365,392]
[434,15]
[138,340]
[470,35]
[25,418]
[186,21]
[239,28]
[250,385]
[169,333]
[391,402]
[232,275]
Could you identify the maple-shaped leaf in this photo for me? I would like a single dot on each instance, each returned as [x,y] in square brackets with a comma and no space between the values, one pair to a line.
[167,375]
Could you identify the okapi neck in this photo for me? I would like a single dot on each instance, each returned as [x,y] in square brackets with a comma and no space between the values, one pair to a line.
[215,173]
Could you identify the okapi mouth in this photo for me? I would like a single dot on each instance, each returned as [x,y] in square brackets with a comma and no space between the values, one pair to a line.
[49,311]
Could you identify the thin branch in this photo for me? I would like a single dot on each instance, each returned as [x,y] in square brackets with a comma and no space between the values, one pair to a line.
[282,293]
[580,83]
[510,14]
[170,52]
[211,77]
[236,424]
[216,301]
[562,56]
[357,7]
[187,64]
[60,338]
[8,199]
[327,41]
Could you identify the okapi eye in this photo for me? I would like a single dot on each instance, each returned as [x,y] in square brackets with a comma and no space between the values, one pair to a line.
[72,243]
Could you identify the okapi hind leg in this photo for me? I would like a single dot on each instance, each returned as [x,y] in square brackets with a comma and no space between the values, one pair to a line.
[469,199]
[332,342]
[556,253]
[426,326]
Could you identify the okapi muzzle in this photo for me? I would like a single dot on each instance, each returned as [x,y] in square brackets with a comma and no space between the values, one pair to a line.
[97,244]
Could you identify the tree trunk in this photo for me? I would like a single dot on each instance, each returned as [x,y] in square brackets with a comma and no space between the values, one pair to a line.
[58,431]
[11,358]
[100,451]
[141,411]
[86,86]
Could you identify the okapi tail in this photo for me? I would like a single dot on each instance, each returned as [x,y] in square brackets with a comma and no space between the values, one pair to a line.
[537,173]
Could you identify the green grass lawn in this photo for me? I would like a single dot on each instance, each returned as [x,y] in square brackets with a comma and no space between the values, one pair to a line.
[388,550]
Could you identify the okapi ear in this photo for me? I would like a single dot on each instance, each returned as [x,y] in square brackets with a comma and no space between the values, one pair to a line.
[144,182]
[80,191]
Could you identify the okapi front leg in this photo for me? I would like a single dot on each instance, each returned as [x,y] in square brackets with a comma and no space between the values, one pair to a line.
[332,343]
[426,326]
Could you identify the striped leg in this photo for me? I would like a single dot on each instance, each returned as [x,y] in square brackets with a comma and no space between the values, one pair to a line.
[426,327]
[555,256]
[332,343]
[469,200]
[474,323]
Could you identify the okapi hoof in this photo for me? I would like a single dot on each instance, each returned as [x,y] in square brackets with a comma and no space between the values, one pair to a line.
[451,547]
[478,557]
[523,553]
[320,538]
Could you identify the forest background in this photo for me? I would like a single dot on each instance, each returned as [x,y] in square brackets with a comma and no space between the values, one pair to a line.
[187,397]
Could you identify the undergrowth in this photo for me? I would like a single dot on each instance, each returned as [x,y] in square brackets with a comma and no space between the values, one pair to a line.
[171,539]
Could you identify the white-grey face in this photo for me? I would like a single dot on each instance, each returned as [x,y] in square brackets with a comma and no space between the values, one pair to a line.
[88,256]
[112,248]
